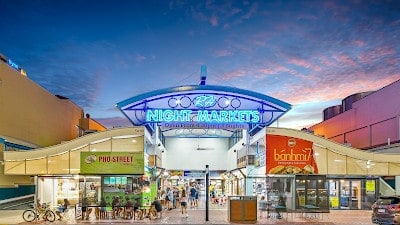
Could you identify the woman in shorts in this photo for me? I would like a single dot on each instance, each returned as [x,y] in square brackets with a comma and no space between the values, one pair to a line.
[183,200]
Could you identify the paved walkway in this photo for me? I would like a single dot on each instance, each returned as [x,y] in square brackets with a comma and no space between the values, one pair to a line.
[216,216]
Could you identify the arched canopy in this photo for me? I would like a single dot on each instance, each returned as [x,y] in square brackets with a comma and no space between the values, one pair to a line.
[216,106]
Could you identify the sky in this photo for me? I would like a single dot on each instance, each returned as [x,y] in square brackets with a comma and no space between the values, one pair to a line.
[310,54]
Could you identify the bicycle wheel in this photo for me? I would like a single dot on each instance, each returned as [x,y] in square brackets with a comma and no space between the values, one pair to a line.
[49,216]
[29,215]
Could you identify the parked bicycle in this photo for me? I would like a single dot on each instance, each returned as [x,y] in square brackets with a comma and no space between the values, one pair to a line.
[44,213]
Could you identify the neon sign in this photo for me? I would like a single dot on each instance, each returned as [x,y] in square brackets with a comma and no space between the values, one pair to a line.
[206,116]
[204,101]
[13,64]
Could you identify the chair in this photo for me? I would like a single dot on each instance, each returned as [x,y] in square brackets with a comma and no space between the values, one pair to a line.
[103,212]
[68,214]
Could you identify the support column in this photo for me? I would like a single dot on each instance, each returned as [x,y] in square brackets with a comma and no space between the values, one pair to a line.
[249,181]
[397,184]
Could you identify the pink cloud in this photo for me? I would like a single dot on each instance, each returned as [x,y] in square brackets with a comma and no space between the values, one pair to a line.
[222,53]
[304,63]
[332,89]
[373,55]
[233,74]
[344,60]
[358,43]
[214,21]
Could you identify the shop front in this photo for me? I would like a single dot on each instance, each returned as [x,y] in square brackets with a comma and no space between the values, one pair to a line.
[352,192]
[296,176]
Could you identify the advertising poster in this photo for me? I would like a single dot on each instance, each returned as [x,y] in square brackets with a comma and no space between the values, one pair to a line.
[288,155]
[112,163]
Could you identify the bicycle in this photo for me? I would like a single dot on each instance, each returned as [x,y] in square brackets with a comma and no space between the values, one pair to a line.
[47,214]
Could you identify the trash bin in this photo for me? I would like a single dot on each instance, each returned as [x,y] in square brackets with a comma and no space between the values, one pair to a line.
[242,209]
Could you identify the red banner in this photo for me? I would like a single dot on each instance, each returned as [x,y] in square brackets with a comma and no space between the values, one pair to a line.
[288,155]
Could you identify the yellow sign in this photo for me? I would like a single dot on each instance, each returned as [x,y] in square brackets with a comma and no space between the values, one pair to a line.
[370,186]
[334,201]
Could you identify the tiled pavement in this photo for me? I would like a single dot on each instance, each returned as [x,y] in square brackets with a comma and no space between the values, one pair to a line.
[216,216]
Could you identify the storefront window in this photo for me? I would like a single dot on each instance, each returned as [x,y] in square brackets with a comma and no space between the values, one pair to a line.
[124,187]
[334,194]
[312,193]
[90,190]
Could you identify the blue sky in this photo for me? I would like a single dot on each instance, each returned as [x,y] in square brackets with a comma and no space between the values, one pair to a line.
[310,54]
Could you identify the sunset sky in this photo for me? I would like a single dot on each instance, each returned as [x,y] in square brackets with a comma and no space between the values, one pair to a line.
[311,54]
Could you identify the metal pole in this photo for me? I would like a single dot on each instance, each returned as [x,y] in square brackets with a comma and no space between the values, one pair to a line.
[36,196]
[207,190]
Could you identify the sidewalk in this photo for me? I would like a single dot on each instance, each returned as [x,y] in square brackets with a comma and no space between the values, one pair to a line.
[216,216]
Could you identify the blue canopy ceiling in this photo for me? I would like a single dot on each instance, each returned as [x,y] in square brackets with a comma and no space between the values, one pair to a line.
[186,98]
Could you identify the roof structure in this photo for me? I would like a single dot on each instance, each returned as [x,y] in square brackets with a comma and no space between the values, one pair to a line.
[221,103]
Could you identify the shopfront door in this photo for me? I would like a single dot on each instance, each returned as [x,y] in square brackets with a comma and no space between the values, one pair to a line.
[350,194]
[334,194]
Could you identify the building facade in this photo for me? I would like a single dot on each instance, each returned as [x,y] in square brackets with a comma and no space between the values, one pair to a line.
[30,118]
[364,120]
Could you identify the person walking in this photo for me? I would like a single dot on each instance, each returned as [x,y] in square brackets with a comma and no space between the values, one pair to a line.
[169,198]
[183,201]
[192,197]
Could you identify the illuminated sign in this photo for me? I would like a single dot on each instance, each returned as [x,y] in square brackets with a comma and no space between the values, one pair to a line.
[204,101]
[13,64]
[206,116]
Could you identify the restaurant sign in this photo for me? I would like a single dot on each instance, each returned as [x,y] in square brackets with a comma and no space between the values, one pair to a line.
[112,163]
[288,155]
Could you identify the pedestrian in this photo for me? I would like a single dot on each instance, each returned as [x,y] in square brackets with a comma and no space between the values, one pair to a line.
[115,204]
[103,208]
[128,209]
[155,209]
[183,200]
[192,197]
[62,208]
[169,198]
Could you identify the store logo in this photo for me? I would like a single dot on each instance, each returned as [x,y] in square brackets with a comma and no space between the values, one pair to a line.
[90,159]
[291,142]
[204,101]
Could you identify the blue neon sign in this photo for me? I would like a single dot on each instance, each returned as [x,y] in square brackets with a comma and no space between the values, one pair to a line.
[206,116]
[13,64]
[204,101]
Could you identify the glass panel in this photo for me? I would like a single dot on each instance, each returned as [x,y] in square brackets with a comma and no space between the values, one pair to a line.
[75,160]
[17,167]
[334,194]
[279,192]
[337,163]
[345,194]
[37,166]
[103,146]
[67,188]
[128,144]
[59,164]
[370,190]
[355,194]
[312,193]
[356,166]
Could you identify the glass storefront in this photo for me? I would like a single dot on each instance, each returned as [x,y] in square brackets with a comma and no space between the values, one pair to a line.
[312,192]
[318,191]
[352,193]
[88,190]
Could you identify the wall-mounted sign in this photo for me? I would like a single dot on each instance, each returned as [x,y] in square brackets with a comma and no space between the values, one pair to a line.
[112,163]
[370,186]
[288,155]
